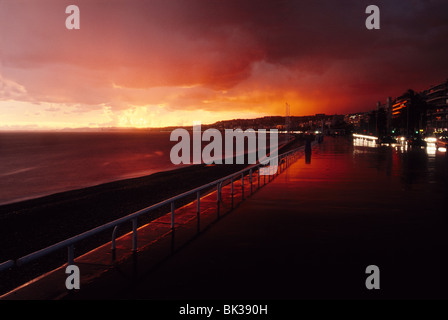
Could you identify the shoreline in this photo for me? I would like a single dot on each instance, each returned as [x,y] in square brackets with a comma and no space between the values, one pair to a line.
[87,186]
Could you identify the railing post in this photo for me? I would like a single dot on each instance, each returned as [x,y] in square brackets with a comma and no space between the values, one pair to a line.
[114,235]
[250,179]
[258,177]
[113,246]
[134,235]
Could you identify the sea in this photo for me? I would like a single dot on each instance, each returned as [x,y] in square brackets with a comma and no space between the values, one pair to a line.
[36,164]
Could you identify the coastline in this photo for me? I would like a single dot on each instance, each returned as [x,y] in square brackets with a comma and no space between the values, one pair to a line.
[31,225]
[129,176]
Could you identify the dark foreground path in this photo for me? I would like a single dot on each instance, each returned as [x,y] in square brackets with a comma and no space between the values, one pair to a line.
[312,232]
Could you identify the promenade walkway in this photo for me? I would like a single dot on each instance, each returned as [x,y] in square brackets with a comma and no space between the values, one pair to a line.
[308,234]
[312,232]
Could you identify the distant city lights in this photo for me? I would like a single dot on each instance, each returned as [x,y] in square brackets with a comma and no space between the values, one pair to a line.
[364,136]
[403,145]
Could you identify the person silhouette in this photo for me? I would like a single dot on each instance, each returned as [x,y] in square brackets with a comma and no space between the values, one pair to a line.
[308,151]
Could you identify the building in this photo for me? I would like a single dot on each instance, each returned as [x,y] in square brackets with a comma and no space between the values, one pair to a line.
[359,122]
[412,113]
[437,107]
[409,113]
[399,115]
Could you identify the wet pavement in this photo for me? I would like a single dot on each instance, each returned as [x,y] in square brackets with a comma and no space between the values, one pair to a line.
[313,231]
[310,233]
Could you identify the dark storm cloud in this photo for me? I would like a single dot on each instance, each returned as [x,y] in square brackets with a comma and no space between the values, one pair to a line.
[221,46]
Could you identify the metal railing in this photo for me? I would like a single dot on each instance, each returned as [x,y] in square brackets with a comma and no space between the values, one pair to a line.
[283,161]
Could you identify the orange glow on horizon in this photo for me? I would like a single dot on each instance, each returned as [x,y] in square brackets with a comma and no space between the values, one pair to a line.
[165,63]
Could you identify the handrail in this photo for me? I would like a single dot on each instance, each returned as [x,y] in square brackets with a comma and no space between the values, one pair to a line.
[69,243]
[6,265]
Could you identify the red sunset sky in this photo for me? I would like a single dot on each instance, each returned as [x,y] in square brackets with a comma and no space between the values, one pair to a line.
[172,62]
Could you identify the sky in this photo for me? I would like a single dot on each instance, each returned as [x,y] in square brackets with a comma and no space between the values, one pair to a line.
[162,63]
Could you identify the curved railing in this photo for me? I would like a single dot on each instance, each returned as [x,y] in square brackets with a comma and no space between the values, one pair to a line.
[283,161]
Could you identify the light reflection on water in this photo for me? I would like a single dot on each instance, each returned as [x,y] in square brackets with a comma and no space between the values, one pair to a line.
[420,165]
[359,142]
